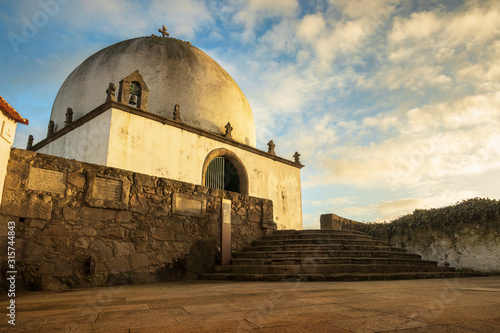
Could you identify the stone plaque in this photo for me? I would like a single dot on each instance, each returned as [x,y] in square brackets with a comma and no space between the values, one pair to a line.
[226,211]
[7,131]
[106,192]
[47,180]
[184,204]
[226,232]
[108,189]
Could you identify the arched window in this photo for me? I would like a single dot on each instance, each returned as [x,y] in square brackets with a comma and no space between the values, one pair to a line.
[224,170]
[222,174]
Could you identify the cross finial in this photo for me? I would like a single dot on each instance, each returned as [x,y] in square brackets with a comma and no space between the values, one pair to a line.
[271,146]
[69,117]
[30,142]
[296,157]
[110,93]
[163,31]
[51,128]
[177,113]
[229,129]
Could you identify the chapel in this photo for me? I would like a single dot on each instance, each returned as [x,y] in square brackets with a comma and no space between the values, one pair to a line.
[162,107]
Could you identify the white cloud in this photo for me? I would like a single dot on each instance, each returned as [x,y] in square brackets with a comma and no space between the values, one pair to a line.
[310,27]
[185,17]
[374,9]
[255,12]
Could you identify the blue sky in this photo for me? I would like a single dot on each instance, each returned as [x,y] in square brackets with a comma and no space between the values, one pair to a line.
[394,105]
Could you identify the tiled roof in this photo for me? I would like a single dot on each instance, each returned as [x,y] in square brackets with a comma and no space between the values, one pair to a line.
[11,112]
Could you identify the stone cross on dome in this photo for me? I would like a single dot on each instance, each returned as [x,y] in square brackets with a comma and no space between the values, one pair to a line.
[163,31]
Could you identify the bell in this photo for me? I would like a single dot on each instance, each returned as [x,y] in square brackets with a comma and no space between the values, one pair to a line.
[133,100]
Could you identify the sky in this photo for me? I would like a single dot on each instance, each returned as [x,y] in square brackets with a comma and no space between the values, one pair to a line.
[393,105]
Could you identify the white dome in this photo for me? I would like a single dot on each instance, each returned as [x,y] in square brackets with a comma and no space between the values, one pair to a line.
[175,72]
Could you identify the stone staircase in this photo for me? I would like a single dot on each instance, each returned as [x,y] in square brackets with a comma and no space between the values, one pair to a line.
[326,255]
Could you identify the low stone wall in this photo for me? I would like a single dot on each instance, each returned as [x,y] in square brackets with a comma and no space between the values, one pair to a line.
[80,225]
[335,222]
[473,246]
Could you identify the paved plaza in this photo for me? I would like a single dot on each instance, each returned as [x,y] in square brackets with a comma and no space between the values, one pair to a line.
[438,305]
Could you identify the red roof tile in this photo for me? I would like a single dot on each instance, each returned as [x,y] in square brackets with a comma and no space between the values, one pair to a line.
[11,112]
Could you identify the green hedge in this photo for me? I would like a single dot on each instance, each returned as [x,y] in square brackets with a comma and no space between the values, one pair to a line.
[480,211]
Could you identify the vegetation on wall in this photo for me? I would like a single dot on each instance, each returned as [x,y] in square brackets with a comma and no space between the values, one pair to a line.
[476,211]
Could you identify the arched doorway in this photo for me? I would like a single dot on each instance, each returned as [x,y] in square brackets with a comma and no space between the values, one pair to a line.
[224,170]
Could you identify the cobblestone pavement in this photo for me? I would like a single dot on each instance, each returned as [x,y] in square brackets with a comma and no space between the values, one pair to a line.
[439,305]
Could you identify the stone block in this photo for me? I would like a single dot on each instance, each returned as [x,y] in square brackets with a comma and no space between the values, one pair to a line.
[69,213]
[141,247]
[26,250]
[144,180]
[63,268]
[97,214]
[114,233]
[100,267]
[76,179]
[87,231]
[12,182]
[255,218]
[139,260]
[155,245]
[161,210]
[37,223]
[118,265]
[82,242]
[335,222]
[123,217]
[47,268]
[99,249]
[138,203]
[122,248]
[59,231]
[35,206]
[163,257]
[138,236]
[267,211]
[162,234]
[56,242]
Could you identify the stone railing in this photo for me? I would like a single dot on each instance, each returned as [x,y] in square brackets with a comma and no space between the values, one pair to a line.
[335,222]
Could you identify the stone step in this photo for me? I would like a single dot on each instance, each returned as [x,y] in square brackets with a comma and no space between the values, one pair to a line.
[250,253]
[308,241]
[333,277]
[332,261]
[319,237]
[325,247]
[326,269]
[317,232]
[326,255]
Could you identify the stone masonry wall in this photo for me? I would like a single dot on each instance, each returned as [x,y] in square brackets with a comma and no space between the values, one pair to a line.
[474,246]
[335,222]
[75,237]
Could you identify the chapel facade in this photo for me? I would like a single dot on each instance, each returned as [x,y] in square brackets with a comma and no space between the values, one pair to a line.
[160,106]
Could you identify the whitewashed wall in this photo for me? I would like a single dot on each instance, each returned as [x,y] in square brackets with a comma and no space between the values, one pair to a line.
[141,145]
[7,132]
[87,143]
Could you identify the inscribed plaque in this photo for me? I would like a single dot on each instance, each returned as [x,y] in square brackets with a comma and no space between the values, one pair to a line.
[7,131]
[47,180]
[183,204]
[108,189]
[226,232]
